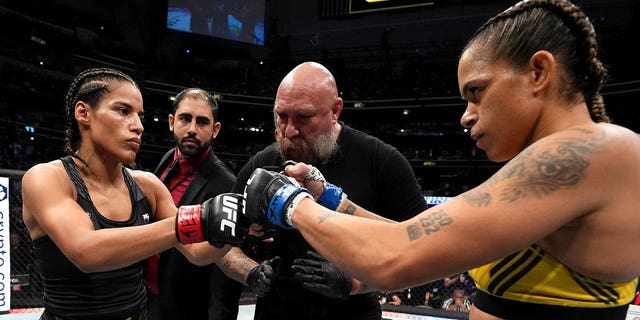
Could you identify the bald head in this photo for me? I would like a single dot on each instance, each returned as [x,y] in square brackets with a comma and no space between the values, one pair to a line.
[310,77]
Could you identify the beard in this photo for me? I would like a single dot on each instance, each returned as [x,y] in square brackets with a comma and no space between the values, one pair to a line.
[297,149]
[189,151]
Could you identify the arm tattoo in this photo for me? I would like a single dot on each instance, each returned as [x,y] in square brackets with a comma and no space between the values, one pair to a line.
[477,198]
[324,217]
[350,209]
[429,224]
[545,168]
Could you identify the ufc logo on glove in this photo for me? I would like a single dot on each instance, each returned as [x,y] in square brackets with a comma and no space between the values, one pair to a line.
[230,207]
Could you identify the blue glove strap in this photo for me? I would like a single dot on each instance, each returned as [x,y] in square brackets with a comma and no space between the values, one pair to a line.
[279,203]
[331,196]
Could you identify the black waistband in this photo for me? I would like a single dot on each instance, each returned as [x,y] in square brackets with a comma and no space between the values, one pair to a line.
[510,309]
[139,315]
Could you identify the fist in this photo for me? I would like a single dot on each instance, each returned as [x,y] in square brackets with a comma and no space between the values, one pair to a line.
[219,220]
[271,198]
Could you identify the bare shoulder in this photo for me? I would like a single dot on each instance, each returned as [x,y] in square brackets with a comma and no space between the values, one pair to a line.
[592,147]
[565,160]
[622,139]
[143,176]
[152,187]
[46,176]
[149,183]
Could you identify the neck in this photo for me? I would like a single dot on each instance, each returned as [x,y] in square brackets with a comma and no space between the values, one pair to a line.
[337,128]
[98,168]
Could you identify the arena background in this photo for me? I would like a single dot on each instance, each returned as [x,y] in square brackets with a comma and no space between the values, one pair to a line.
[395,66]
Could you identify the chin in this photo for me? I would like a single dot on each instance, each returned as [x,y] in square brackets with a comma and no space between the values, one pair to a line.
[129,158]
[501,157]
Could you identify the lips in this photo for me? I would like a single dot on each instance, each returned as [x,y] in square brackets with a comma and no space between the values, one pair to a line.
[135,142]
[191,142]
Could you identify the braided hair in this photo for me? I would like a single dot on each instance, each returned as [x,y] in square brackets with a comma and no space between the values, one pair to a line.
[557,26]
[89,86]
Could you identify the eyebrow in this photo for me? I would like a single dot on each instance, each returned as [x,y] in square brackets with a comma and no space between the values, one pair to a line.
[200,118]
[183,114]
[124,104]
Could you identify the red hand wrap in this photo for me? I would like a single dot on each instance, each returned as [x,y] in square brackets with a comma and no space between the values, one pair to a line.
[189,225]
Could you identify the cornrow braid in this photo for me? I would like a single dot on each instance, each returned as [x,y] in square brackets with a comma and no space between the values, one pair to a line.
[88,86]
[557,26]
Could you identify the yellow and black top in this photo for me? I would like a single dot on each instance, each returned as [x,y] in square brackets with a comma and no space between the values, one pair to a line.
[532,276]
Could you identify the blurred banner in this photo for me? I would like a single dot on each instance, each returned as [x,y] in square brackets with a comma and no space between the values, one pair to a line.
[5,256]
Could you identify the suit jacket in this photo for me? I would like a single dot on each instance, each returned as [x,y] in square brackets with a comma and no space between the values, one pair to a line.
[187,291]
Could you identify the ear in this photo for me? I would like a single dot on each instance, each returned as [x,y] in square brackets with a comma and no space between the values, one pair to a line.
[171,122]
[544,69]
[216,129]
[82,112]
[336,109]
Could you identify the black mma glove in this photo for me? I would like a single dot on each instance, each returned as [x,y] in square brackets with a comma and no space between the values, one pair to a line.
[271,198]
[219,220]
[321,276]
[262,276]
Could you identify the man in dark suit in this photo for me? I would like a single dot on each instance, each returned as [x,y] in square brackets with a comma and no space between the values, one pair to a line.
[176,288]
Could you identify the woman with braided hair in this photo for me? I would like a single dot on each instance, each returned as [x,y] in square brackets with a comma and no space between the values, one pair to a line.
[93,221]
[553,234]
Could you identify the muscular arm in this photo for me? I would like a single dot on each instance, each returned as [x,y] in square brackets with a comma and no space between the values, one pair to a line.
[49,208]
[533,195]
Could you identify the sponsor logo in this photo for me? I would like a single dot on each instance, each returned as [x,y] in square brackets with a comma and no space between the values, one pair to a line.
[4,193]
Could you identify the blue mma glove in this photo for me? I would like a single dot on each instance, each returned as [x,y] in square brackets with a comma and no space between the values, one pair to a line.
[271,198]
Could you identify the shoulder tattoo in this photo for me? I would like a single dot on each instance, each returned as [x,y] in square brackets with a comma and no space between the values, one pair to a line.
[541,169]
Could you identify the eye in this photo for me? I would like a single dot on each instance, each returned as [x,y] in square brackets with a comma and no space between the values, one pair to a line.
[303,117]
[281,117]
[473,93]
[123,111]
[475,90]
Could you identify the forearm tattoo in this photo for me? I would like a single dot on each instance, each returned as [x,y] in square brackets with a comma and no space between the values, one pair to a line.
[429,224]
[350,209]
[540,169]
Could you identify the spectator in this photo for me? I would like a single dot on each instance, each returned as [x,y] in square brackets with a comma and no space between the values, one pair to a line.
[458,302]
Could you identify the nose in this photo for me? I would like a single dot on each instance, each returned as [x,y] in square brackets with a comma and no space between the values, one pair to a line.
[137,126]
[468,118]
[191,129]
[290,129]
